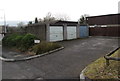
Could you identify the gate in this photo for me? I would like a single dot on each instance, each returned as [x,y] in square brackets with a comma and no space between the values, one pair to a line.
[84,31]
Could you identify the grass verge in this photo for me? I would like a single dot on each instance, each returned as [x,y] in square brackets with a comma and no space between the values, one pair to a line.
[44,47]
[99,70]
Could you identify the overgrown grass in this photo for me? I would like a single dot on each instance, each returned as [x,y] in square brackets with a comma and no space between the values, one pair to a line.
[99,70]
[45,47]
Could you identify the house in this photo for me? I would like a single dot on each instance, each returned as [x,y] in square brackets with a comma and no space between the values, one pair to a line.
[55,30]
[104,25]
[104,20]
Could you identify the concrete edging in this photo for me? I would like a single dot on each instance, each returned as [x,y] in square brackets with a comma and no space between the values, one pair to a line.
[31,57]
[83,77]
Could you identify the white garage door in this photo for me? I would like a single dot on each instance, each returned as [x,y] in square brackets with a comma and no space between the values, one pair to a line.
[56,33]
[71,32]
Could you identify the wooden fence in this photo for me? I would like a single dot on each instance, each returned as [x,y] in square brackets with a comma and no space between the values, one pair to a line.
[105,31]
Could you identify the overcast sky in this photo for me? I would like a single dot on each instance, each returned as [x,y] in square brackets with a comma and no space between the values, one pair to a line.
[29,9]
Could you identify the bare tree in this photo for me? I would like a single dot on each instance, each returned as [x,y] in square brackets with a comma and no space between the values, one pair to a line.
[83,19]
[20,24]
[20,28]
[62,17]
[50,17]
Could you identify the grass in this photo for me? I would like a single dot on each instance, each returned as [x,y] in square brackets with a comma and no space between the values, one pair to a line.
[45,47]
[99,70]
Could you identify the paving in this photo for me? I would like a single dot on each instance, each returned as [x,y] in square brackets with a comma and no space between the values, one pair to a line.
[10,54]
[64,64]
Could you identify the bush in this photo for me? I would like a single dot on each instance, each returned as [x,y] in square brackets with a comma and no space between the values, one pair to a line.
[45,47]
[17,40]
[27,41]
[23,42]
[10,40]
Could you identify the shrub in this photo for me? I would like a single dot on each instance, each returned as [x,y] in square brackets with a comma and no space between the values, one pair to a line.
[45,47]
[10,40]
[4,41]
[27,41]
[17,40]
[23,42]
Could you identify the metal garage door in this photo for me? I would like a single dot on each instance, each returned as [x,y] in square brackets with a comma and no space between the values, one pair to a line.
[84,31]
[56,33]
[71,32]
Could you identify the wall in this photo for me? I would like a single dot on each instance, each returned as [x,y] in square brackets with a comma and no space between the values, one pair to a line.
[37,30]
[105,31]
[42,30]
[104,20]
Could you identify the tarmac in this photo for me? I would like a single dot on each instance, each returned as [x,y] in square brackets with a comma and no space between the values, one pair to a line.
[64,64]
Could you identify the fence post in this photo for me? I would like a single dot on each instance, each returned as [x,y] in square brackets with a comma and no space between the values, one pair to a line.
[107,62]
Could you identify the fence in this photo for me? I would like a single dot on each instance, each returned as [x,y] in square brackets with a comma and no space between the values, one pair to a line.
[107,57]
[17,30]
[105,31]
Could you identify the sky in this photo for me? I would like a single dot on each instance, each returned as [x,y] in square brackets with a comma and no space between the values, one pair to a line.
[27,10]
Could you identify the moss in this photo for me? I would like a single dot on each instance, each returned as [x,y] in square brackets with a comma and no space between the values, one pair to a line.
[99,70]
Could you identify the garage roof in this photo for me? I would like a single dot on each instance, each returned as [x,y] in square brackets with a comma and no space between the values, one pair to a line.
[57,22]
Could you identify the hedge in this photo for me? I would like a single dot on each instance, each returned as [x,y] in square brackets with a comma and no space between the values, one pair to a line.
[22,42]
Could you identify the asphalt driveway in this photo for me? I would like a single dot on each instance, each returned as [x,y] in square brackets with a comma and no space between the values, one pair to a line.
[64,64]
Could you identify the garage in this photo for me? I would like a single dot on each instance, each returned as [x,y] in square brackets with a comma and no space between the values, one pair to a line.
[56,33]
[71,32]
[84,31]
